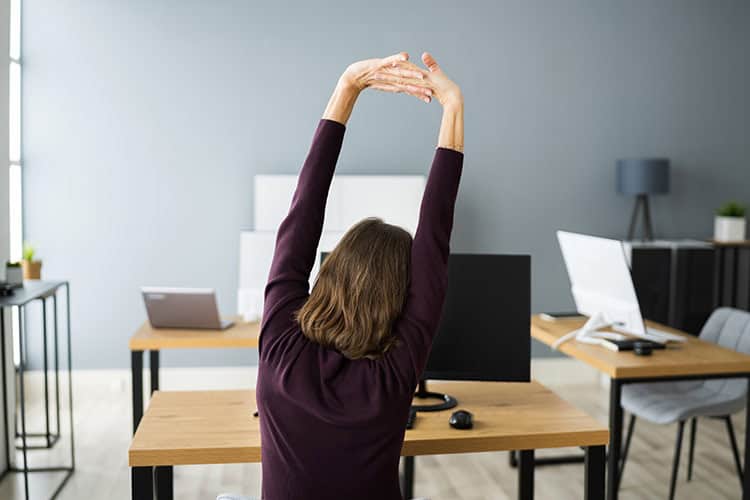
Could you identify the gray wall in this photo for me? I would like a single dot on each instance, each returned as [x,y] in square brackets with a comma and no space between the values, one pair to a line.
[146,121]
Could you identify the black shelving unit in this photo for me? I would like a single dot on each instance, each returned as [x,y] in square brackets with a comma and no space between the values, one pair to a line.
[32,292]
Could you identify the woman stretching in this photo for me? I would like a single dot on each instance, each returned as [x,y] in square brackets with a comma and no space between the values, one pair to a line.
[339,365]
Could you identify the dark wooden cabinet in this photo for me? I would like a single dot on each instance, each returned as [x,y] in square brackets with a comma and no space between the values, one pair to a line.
[680,284]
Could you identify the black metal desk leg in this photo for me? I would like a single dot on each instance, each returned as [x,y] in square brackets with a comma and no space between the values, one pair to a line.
[70,378]
[594,473]
[57,361]
[615,438]
[6,418]
[407,485]
[153,364]
[136,368]
[526,475]
[746,469]
[46,372]
[164,482]
[142,483]
[22,401]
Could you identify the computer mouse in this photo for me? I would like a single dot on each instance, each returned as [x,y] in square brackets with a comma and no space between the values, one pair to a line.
[642,349]
[461,419]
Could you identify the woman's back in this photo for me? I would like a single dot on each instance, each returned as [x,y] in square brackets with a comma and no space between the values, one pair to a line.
[337,424]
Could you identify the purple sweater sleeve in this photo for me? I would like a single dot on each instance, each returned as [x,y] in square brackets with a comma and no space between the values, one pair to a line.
[417,325]
[299,234]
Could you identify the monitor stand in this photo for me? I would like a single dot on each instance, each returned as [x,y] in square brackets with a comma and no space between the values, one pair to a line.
[447,403]
[589,333]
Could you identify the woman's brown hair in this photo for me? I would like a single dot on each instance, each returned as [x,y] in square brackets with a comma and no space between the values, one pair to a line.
[360,291]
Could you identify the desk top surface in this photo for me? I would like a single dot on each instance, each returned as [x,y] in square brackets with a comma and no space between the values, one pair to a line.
[31,290]
[214,427]
[240,335]
[694,357]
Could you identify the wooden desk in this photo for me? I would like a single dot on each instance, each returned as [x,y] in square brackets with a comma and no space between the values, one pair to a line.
[695,359]
[217,427]
[240,335]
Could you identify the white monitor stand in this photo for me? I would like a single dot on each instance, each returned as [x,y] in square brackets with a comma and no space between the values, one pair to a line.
[589,333]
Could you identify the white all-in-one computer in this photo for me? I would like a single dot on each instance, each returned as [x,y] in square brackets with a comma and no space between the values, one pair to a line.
[603,290]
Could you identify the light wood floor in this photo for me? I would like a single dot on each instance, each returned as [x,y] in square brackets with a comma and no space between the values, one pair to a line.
[103,423]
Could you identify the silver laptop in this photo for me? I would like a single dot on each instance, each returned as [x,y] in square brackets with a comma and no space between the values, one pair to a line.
[183,308]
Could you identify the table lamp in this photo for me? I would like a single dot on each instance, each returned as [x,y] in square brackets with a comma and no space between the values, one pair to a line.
[642,177]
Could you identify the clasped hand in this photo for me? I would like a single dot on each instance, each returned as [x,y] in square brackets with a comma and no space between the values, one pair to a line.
[398,75]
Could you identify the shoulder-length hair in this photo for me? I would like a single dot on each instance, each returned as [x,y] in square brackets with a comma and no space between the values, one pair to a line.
[360,291]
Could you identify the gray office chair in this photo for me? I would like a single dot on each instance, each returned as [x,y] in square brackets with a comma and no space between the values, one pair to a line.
[669,402]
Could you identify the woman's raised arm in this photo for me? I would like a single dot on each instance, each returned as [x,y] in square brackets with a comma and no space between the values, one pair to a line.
[299,233]
[429,259]
[450,97]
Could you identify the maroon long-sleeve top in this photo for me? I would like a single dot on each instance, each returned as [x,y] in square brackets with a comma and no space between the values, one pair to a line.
[332,427]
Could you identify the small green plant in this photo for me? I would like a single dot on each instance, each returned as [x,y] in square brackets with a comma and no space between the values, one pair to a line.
[28,252]
[12,264]
[731,209]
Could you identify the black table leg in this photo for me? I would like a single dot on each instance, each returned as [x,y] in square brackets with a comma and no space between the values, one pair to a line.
[70,375]
[22,403]
[746,469]
[407,485]
[594,473]
[526,475]
[615,438]
[46,372]
[3,365]
[57,362]
[142,483]
[153,364]
[136,369]
[543,461]
[164,482]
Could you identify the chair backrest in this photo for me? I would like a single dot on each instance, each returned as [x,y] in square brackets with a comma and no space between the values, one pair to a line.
[729,328]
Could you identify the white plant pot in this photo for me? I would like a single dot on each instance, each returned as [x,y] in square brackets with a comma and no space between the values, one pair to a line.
[729,228]
[14,275]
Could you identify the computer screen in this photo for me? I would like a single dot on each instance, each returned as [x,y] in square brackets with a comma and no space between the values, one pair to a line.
[485,330]
[600,280]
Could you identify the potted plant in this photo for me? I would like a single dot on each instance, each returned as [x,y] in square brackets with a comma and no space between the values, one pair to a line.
[729,224]
[13,273]
[32,269]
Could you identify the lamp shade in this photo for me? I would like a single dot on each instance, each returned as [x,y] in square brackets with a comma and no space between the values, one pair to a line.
[643,176]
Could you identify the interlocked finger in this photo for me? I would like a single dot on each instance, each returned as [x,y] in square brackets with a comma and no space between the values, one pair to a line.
[415,83]
[401,89]
[405,69]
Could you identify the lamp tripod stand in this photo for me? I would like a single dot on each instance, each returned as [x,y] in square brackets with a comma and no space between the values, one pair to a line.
[648,231]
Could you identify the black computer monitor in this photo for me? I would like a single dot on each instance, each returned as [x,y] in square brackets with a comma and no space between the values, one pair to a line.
[484,333]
